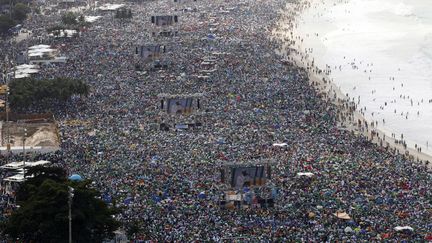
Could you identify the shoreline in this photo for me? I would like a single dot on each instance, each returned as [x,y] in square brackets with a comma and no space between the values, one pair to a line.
[350,118]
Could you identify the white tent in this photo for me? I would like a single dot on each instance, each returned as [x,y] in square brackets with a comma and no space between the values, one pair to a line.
[22,75]
[308,174]
[13,165]
[20,165]
[280,144]
[42,50]
[111,7]
[91,19]
[26,66]
[400,228]
[39,47]
[65,33]
[36,54]
[17,178]
[26,71]
[342,215]
[36,163]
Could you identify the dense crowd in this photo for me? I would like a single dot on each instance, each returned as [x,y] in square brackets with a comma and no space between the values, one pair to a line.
[252,101]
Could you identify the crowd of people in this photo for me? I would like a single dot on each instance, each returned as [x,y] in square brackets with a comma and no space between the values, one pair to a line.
[253,99]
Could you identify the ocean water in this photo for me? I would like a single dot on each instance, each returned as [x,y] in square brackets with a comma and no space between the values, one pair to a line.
[380,53]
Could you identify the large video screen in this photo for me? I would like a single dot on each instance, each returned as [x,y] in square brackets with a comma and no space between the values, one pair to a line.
[247,176]
[179,105]
[149,51]
[164,20]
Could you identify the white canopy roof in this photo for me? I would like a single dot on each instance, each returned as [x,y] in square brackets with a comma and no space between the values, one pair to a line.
[42,50]
[63,33]
[91,19]
[342,215]
[308,174]
[22,75]
[20,164]
[36,163]
[39,46]
[12,165]
[26,71]
[399,228]
[109,6]
[35,54]
[280,144]
[26,66]
[17,178]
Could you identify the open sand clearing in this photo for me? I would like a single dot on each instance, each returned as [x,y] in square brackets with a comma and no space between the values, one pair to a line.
[38,134]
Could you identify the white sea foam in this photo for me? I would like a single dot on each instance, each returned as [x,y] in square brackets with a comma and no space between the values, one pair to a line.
[403,10]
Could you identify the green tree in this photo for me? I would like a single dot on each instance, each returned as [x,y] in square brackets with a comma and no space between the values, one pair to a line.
[20,12]
[43,212]
[5,24]
[27,91]
[69,18]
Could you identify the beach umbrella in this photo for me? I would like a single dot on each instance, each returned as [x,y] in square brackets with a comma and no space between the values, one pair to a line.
[311,215]
[156,198]
[348,229]
[352,223]
[75,177]
[220,141]
[39,46]
[274,192]
[127,201]
[202,195]
[107,198]
[307,174]
[402,228]
[379,200]
[342,215]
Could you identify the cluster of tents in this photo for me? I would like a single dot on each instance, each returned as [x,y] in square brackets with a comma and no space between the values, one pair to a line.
[20,168]
[25,70]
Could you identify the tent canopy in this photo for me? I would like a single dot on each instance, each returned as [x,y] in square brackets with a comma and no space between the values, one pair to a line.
[19,165]
[17,178]
[75,177]
[308,174]
[400,228]
[39,46]
[26,66]
[342,215]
